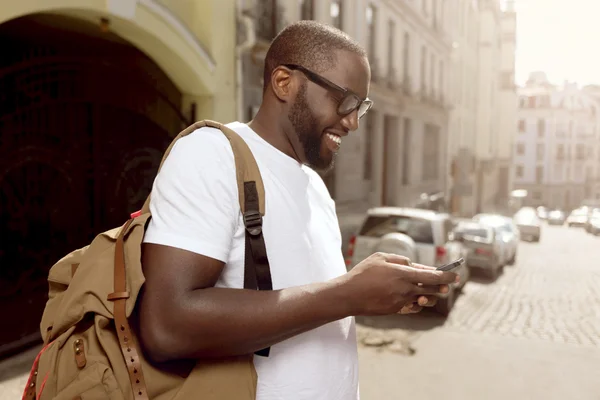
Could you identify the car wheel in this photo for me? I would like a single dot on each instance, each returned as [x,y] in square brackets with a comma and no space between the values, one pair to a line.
[537,239]
[513,260]
[444,305]
[493,273]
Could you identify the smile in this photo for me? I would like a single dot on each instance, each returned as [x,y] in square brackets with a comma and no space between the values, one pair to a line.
[334,138]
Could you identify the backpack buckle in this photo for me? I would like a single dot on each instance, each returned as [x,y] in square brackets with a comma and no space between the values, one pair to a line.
[253,222]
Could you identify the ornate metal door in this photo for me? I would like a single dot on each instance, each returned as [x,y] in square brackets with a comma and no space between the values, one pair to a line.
[83,124]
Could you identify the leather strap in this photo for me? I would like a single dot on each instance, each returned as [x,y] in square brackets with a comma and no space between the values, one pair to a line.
[257,272]
[127,341]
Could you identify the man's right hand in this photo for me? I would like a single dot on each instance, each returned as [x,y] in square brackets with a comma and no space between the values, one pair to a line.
[388,283]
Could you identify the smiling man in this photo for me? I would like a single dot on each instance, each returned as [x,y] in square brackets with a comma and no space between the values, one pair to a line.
[193,304]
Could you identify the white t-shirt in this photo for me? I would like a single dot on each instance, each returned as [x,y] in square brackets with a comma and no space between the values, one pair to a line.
[195,207]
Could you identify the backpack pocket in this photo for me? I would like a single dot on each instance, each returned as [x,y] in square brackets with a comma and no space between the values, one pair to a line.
[94,382]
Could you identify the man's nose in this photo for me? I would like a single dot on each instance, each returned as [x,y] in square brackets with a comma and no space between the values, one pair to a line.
[350,121]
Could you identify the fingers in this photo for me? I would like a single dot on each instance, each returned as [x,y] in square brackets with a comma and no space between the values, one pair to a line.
[396,259]
[427,301]
[410,308]
[431,289]
[430,277]
[421,266]
[417,305]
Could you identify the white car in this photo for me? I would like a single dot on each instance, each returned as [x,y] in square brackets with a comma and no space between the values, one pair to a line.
[528,223]
[578,217]
[506,231]
[423,236]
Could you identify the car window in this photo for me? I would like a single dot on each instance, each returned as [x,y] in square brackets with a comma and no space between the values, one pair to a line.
[419,230]
[475,231]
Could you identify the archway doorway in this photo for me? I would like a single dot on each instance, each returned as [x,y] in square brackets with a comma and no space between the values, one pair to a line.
[84,119]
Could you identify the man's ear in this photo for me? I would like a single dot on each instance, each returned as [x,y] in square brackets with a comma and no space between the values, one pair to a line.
[282,83]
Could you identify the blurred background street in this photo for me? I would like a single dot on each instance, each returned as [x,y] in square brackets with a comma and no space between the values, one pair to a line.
[483,143]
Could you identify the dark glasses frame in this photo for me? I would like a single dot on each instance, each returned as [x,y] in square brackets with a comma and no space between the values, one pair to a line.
[327,84]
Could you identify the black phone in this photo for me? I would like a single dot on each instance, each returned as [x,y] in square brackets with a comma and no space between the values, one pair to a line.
[452,265]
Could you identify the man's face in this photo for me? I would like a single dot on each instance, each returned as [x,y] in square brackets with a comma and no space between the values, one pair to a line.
[314,117]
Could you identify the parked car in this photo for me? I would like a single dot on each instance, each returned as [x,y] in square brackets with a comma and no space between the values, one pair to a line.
[578,217]
[556,217]
[593,225]
[506,230]
[529,224]
[484,249]
[542,212]
[424,236]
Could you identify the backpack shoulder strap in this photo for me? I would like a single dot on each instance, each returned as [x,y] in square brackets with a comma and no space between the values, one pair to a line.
[245,164]
[251,193]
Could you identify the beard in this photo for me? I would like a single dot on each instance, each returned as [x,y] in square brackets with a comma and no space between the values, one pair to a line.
[307,129]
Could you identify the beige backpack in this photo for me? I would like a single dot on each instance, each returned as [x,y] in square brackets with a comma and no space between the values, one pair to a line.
[90,350]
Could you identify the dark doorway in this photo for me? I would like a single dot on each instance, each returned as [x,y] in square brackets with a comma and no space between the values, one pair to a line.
[84,119]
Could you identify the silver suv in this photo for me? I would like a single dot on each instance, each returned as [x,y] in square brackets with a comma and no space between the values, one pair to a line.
[423,236]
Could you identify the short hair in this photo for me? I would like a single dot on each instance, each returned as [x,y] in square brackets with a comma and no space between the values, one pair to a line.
[310,44]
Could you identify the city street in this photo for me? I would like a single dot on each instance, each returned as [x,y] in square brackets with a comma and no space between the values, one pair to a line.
[532,334]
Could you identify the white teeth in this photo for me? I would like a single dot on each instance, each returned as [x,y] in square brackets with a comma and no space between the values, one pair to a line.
[335,138]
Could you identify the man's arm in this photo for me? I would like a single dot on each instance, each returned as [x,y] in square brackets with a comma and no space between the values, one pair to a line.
[183,316]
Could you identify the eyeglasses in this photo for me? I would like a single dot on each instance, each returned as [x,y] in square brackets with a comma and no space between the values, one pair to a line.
[349,100]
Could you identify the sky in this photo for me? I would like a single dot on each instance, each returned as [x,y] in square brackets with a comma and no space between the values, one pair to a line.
[559,37]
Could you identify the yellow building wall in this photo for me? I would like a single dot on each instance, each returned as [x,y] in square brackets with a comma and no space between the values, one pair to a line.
[192,41]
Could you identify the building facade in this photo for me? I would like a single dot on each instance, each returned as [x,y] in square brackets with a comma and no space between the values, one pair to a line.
[556,151]
[483,118]
[401,144]
[92,92]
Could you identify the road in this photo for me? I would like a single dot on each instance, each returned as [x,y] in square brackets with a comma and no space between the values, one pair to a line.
[532,334]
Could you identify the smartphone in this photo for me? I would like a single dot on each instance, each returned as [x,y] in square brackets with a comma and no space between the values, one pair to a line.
[452,265]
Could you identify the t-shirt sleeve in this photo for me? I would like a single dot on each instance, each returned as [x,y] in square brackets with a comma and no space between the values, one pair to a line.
[194,201]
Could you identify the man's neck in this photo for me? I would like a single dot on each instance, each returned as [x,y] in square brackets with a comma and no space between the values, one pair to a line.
[267,128]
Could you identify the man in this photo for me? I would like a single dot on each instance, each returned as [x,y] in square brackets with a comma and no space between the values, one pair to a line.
[315,90]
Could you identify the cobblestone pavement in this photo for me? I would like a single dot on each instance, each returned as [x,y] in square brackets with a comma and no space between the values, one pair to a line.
[553,293]
[540,319]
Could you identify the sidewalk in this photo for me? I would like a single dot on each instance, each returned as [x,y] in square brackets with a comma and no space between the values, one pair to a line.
[14,372]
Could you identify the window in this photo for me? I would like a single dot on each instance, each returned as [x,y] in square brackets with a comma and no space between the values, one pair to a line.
[541,127]
[560,151]
[419,230]
[558,173]
[539,174]
[335,10]
[507,80]
[423,68]
[406,150]
[431,152]
[519,171]
[580,151]
[531,101]
[521,125]
[307,9]
[406,58]
[432,74]
[371,23]
[540,152]
[441,82]
[520,149]
[589,174]
[391,48]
